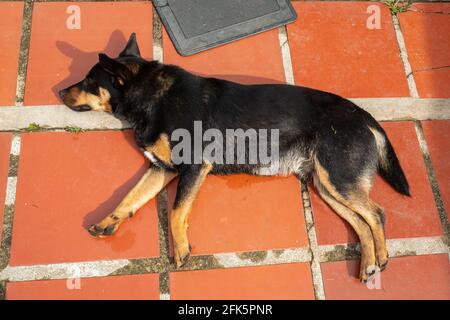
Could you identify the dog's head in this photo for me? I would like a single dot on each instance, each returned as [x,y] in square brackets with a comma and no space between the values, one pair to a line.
[104,83]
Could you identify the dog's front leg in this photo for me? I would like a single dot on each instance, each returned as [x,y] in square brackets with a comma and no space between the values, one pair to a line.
[153,181]
[191,179]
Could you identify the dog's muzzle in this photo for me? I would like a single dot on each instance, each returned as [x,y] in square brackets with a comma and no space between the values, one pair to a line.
[80,108]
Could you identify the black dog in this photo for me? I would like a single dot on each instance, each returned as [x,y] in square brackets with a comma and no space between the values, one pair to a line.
[320,135]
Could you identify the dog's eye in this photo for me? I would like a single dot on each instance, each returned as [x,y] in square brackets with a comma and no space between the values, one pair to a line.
[115,82]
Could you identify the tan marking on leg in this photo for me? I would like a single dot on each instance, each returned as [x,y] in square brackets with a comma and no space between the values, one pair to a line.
[324,179]
[161,149]
[153,181]
[361,228]
[179,219]
[359,202]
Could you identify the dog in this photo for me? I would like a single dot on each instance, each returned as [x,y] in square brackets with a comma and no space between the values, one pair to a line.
[322,137]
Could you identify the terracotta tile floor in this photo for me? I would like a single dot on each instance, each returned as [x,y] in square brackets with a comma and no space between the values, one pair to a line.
[246,214]
[68,181]
[427,41]
[251,60]
[11,26]
[76,180]
[136,287]
[293,281]
[333,50]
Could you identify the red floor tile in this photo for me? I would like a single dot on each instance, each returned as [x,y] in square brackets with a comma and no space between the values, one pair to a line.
[11,26]
[419,277]
[245,213]
[333,50]
[69,181]
[136,287]
[427,41]
[437,134]
[288,281]
[5,146]
[60,56]
[405,217]
[252,60]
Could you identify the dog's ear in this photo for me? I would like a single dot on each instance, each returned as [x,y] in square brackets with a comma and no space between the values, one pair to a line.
[132,48]
[120,72]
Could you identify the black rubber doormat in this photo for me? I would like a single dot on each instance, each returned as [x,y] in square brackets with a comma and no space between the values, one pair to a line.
[197,25]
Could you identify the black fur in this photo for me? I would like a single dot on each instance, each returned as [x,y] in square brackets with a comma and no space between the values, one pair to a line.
[322,126]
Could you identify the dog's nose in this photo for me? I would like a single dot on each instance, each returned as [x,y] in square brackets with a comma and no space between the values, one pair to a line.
[62,93]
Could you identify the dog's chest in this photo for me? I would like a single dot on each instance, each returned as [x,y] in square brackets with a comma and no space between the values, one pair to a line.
[156,160]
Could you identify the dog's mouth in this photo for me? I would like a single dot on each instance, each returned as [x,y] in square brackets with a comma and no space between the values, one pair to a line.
[81,108]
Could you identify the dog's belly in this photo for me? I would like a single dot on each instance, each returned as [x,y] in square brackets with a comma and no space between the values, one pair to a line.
[291,163]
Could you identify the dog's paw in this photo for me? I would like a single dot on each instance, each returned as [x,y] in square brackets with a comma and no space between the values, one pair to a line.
[367,272]
[181,255]
[100,232]
[382,263]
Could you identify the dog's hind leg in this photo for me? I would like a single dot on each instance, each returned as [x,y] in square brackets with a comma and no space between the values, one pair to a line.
[153,181]
[354,194]
[190,181]
[373,214]
[362,229]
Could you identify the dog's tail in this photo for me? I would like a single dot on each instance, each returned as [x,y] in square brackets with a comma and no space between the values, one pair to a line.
[388,164]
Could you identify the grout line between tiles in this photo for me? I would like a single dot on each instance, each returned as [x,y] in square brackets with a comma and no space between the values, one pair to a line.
[63,270]
[8,216]
[404,56]
[104,268]
[443,217]
[158,53]
[321,254]
[262,258]
[10,197]
[163,235]
[24,52]
[50,117]
[164,286]
[286,55]
[396,247]
[316,272]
